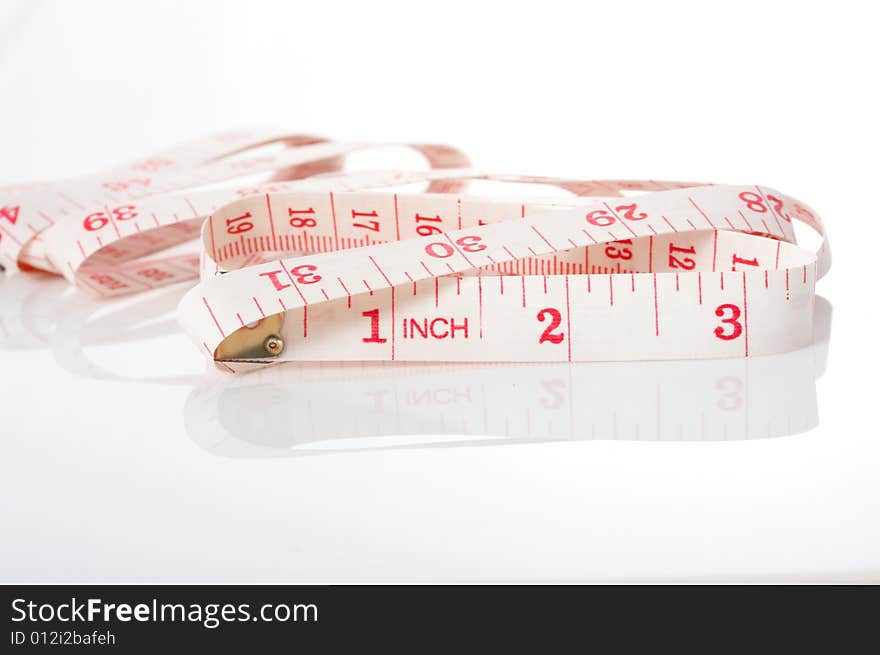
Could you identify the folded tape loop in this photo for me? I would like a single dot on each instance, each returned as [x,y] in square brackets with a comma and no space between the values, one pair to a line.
[312,262]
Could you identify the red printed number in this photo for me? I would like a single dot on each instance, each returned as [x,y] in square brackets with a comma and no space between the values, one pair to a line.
[600,218]
[631,212]
[98,220]
[423,229]
[369,225]
[301,218]
[747,262]
[777,207]
[603,218]
[470,244]
[374,337]
[729,315]
[613,252]
[305,274]
[753,201]
[684,262]
[239,224]
[442,250]
[555,320]
[756,203]
[10,214]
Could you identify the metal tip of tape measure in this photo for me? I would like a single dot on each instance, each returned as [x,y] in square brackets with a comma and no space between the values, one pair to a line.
[256,341]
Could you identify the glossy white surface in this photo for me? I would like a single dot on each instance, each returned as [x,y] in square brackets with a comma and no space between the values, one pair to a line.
[121,459]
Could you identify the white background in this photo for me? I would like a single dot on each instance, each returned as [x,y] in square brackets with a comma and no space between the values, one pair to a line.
[104,479]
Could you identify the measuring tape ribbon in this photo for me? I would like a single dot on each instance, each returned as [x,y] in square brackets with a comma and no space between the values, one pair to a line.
[319,263]
[96,230]
[683,272]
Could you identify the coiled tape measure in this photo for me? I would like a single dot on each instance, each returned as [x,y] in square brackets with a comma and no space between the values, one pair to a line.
[320,264]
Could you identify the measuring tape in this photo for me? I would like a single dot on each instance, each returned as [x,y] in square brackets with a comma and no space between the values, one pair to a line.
[331,265]
[324,408]
[97,231]
[694,272]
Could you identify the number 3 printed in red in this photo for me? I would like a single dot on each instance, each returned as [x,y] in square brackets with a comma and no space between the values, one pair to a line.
[729,315]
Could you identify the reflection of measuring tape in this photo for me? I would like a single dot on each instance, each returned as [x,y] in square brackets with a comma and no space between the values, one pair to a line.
[681,271]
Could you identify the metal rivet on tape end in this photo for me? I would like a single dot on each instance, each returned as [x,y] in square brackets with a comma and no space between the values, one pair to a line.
[273,345]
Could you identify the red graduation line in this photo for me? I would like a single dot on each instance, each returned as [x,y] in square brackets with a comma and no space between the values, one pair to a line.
[333,215]
[459,250]
[211,312]
[378,268]
[480,300]
[656,309]
[568,317]
[396,220]
[195,213]
[745,314]
[348,293]
[714,249]
[772,209]
[295,286]
[620,220]
[271,221]
[699,209]
[543,238]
